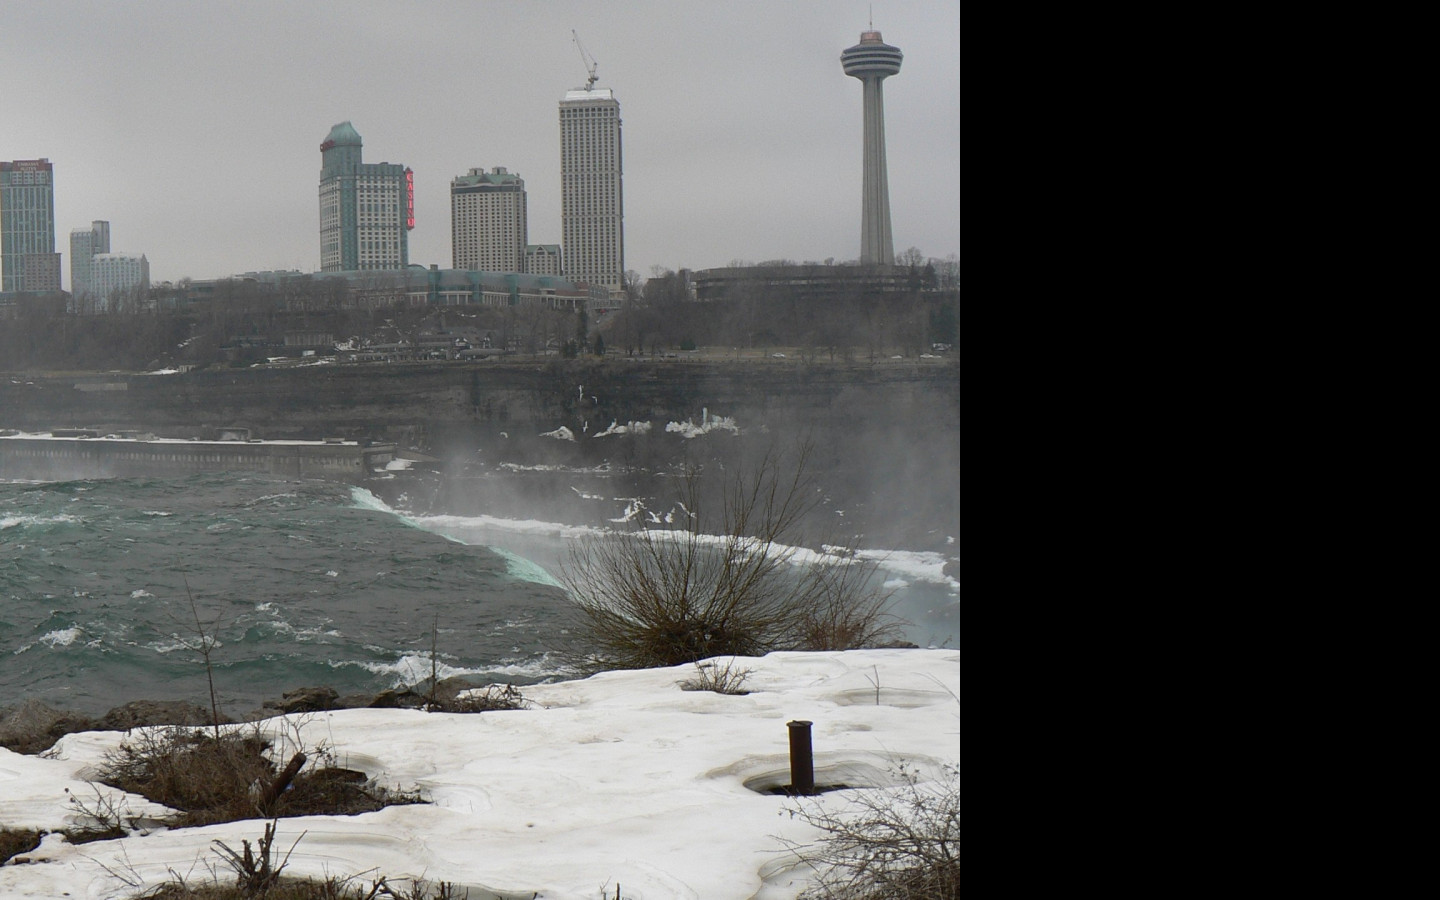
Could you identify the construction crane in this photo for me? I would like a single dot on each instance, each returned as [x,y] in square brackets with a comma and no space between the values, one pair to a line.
[590,64]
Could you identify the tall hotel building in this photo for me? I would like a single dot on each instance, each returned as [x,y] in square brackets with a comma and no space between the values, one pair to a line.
[488,230]
[28,261]
[366,209]
[592,210]
[85,245]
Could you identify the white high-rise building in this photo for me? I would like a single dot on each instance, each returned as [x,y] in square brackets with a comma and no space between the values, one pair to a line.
[488,229]
[113,274]
[84,244]
[592,210]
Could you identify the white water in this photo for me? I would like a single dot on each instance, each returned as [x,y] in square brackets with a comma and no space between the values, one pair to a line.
[924,596]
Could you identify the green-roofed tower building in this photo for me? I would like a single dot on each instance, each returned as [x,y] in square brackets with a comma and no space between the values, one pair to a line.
[366,209]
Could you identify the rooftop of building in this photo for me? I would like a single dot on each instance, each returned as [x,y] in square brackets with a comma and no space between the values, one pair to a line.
[497,176]
[579,94]
[344,134]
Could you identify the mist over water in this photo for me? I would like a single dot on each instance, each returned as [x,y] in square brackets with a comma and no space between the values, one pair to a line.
[317,583]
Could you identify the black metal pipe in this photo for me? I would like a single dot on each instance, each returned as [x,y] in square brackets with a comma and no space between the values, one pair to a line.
[802,759]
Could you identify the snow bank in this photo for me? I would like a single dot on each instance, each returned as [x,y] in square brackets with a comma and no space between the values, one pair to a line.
[627,428]
[622,777]
[708,423]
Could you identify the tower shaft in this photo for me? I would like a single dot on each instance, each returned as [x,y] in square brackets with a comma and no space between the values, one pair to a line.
[877,246]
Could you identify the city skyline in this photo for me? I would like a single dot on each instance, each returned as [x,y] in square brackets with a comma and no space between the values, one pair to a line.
[742,134]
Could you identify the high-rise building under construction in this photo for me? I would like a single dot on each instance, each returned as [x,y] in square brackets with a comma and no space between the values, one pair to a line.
[592,198]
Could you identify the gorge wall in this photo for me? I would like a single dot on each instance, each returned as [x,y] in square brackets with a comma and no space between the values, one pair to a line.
[885,436]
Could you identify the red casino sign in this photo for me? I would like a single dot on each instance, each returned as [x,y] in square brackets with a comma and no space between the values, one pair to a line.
[409,200]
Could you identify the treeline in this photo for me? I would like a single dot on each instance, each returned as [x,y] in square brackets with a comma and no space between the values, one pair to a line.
[908,317]
[851,327]
[243,322]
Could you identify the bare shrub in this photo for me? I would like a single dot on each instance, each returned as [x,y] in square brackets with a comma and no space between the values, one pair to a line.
[846,615]
[205,644]
[102,817]
[723,584]
[208,779]
[256,872]
[332,888]
[720,678]
[889,844]
[234,778]
[489,698]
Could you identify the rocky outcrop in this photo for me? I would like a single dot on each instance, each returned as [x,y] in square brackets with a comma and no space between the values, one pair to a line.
[32,727]
[143,713]
[358,400]
[310,699]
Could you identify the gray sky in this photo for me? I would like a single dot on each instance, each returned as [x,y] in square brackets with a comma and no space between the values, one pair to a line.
[195,127]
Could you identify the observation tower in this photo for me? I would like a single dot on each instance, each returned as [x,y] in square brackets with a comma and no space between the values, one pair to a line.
[871,61]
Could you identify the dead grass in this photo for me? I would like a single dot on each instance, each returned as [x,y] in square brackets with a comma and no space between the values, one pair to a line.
[721,678]
[233,778]
[14,841]
[489,698]
[312,889]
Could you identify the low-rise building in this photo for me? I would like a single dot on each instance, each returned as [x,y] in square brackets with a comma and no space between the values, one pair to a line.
[544,259]
[803,282]
[112,275]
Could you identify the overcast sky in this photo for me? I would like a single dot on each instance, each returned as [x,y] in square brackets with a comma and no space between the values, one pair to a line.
[195,127]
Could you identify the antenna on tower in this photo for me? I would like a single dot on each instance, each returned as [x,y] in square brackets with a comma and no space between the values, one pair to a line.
[590,62]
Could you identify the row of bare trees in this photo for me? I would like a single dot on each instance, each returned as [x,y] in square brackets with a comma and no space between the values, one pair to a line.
[237,322]
[857,324]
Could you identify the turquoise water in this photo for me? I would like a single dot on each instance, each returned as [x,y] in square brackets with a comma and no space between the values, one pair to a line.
[301,583]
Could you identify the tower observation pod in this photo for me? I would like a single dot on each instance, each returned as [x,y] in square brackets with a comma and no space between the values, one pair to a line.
[871,61]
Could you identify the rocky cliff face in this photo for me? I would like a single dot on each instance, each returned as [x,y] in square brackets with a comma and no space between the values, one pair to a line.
[886,438]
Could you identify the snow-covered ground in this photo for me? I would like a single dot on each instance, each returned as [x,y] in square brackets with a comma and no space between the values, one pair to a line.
[620,778]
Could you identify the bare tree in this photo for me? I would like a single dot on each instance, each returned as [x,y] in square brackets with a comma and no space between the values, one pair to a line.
[911,257]
[723,584]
